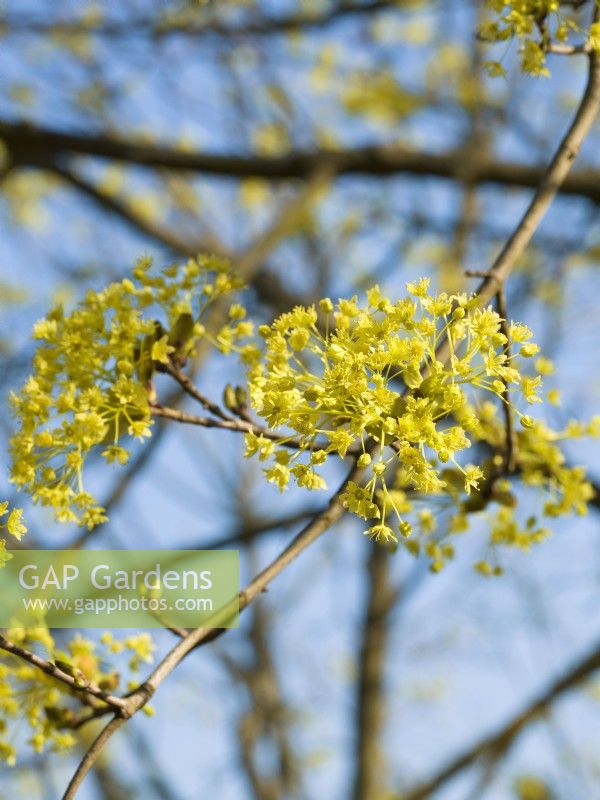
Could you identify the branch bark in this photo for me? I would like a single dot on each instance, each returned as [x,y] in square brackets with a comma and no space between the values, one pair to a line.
[137,699]
[367,783]
[554,178]
[49,668]
[237,425]
[499,742]
[30,145]
[157,29]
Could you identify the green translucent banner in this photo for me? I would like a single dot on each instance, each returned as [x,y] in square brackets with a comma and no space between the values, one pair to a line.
[120,589]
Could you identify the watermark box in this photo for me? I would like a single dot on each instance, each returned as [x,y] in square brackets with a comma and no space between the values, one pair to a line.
[120,589]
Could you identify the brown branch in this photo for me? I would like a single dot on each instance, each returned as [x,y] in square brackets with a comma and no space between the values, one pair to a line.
[92,756]
[30,145]
[79,720]
[237,425]
[190,388]
[138,698]
[499,742]
[554,178]
[49,668]
[309,534]
[370,689]
[158,29]
[116,206]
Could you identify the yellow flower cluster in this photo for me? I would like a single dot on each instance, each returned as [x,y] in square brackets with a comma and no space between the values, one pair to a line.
[350,378]
[341,388]
[541,465]
[92,375]
[50,708]
[535,24]
[12,523]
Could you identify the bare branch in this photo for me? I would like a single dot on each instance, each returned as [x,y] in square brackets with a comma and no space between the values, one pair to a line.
[30,145]
[138,698]
[157,28]
[237,425]
[49,668]
[498,743]
[370,701]
[92,755]
[553,179]
[116,206]
[190,388]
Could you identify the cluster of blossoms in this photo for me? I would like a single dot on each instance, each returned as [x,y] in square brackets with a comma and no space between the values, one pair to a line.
[540,465]
[50,709]
[337,379]
[91,385]
[369,377]
[535,24]
[12,523]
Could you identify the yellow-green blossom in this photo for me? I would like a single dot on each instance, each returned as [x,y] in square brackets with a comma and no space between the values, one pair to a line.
[341,390]
[91,383]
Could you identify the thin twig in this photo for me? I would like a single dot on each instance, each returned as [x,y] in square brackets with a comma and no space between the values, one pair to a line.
[189,387]
[91,756]
[498,743]
[78,721]
[553,179]
[49,668]
[236,425]
[138,698]
[510,450]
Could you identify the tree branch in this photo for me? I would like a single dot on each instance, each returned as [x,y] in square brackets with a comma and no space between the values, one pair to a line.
[49,668]
[498,743]
[116,206]
[158,29]
[190,388]
[138,698]
[30,145]
[554,178]
[237,425]
[92,755]
[368,770]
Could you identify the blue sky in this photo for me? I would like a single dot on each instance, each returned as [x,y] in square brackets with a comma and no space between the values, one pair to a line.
[465,652]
